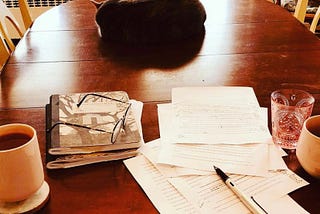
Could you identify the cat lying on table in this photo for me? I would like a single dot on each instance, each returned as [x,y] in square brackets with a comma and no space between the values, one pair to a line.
[149,21]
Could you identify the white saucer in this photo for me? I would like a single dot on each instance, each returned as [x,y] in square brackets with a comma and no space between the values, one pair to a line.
[32,204]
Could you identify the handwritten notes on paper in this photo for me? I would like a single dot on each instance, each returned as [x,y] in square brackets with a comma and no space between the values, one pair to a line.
[251,159]
[222,125]
[191,193]
[214,115]
[161,192]
[202,127]
[213,124]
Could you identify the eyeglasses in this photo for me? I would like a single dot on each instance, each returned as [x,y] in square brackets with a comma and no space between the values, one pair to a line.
[120,124]
[98,95]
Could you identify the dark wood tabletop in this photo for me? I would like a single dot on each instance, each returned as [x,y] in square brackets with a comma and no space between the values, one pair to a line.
[253,43]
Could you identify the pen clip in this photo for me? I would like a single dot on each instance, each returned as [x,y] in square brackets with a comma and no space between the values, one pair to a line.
[258,205]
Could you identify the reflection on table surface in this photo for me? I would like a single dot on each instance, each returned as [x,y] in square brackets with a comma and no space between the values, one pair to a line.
[255,43]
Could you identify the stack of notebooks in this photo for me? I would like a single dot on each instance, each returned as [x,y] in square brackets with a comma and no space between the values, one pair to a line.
[214,126]
[105,126]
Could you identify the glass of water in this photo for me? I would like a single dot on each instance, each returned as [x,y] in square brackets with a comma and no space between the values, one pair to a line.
[289,109]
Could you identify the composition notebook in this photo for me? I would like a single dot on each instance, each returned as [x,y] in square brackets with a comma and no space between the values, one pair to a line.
[73,136]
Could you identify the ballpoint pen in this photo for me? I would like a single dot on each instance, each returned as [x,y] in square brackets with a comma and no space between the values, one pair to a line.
[249,202]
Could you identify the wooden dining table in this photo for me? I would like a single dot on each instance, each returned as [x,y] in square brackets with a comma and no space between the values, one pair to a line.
[246,43]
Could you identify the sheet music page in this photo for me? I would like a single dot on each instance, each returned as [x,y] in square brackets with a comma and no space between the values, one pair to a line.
[250,159]
[215,115]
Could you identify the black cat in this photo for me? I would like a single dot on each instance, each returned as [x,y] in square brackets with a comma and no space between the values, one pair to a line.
[150,21]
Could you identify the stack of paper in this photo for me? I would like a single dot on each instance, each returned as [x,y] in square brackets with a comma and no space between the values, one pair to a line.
[221,126]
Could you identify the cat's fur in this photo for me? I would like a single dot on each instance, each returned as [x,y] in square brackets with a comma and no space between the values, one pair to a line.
[150,21]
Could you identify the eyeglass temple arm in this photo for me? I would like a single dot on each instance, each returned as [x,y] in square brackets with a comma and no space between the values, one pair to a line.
[98,95]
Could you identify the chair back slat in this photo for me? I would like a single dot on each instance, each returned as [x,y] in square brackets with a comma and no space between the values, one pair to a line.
[25,13]
[6,17]
[315,21]
[301,10]
[4,53]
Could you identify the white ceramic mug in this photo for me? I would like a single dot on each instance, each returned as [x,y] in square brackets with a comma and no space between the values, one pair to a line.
[21,170]
[308,148]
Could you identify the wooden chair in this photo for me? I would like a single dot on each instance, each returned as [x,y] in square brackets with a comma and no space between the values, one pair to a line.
[25,13]
[301,10]
[6,17]
[315,21]
[4,53]
[300,14]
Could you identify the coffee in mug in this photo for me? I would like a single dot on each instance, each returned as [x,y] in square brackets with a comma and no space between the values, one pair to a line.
[13,140]
[21,167]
